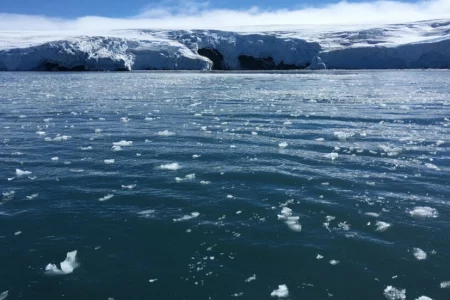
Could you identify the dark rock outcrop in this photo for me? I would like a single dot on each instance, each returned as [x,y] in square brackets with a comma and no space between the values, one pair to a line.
[215,56]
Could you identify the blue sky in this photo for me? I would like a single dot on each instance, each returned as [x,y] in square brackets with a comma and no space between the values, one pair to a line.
[124,8]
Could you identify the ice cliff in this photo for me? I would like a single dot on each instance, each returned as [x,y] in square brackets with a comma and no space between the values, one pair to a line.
[423,44]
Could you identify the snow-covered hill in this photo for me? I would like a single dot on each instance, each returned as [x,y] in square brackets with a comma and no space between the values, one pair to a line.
[423,44]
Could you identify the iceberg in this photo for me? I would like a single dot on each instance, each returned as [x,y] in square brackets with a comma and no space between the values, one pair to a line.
[66,267]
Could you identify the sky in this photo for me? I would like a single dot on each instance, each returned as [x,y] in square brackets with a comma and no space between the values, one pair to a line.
[84,15]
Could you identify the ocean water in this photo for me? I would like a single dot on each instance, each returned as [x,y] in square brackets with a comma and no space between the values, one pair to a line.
[334,185]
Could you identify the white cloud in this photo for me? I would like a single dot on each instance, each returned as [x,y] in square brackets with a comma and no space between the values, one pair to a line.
[189,15]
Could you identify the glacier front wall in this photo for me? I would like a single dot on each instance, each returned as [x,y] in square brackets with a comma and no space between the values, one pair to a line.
[179,51]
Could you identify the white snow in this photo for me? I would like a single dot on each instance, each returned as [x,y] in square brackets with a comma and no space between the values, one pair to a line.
[171,167]
[392,293]
[281,292]
[20,173]
[66,267]
[424,212]
[419,254]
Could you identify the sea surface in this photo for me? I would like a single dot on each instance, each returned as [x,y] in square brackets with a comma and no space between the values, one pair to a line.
[191,185]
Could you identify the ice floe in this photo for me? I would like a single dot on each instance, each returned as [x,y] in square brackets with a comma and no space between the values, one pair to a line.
[334,262]
[20,173]
[319,256]
[424,212]
[187,217]
[152,280]
[393,293]
[109,161]
[188,177]
[283,145]
[3,295]
[251,278]
[445,284]
[290,220]
[343,136]
[129,187]
[382,226]
[419,254]
[281,292]
[424,298]
[66,267]
[332,155]
[123,143]
[105,198]
[54,158]
[31,197]
[166,133]
[170,167]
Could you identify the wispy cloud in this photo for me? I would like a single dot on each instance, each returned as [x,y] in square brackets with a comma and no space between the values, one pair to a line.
[171,14]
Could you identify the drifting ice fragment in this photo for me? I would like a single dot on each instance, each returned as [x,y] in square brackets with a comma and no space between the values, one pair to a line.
[20,173]
[424,212]
[332,155]
[123,143]
[166,133]
[382,226]
[419,254]
[3,295]
[105,198]
[109,161]
[67,266]
[171,167]
[392,293]
[283,145]
[187,217]
[281,292]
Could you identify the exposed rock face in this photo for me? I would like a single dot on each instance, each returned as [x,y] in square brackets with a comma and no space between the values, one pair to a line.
[317,64]
[215,56]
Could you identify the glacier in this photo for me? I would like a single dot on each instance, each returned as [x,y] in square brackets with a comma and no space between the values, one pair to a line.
[416,45]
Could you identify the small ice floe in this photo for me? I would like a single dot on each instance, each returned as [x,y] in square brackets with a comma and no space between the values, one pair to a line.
[152,280]
[31,197]
[123,143]
[424,212]
[319,256]
[332,155]
[283,145]
[60,138]
[440,142]
[287,123]
[290,220]
[424,298]
[3,295]
[196,156]
[187,217]
[109,161]
[124,120]
[106,198]
[55,158]
[20,173]
[146,213]
[116,148]
[230,196]
[129,187]
[76,170]
[320,139]
[17,233]
[205,182]
[419,254]
[148,119]
[170,167]
[382,226]
[372,214]
[138,154]
[251,278]
[445,284]
[344,226]
[334,262]
[254,133]
[98,130]
[188,177]
[166,133]
[392,293]
[11,178]
[281,292]
[232,146]
[66,267]
[88,148]
[343,136]
[431,166]
[41,133]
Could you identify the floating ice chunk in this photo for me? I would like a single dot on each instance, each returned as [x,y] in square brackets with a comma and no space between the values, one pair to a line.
[344,226]
[195,156]
[205,182]
[431,166]
[424,212]
[232,146]
[61,138]
[445,284]
[123,143]
[129,187]
[109,161]
[440,142]
[3,295]
[237,294]
[31,197]
[251,278]
[98,130]
[320,139]
[187,217]
[372,214]
[146,212]
[334,262]
[319,256]
[152,280]
[343,136]
[166,133]
[287,123]
[283,145]
[105,198]
[55,158]
[171,167]
[17,233]
[86,148]
[382,226]
[230,197]
[254,133]
[66,267]
[332,155]
[393,293]
[76,170]
[41,133]
[419,254]
[289,220]
[149,119]
[11,178]
[20,173]
[116,148]
[186,178]
[281,292]
[124,120]
[424,298]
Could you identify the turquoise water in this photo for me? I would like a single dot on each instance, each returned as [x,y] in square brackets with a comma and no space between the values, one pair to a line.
[334,184]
